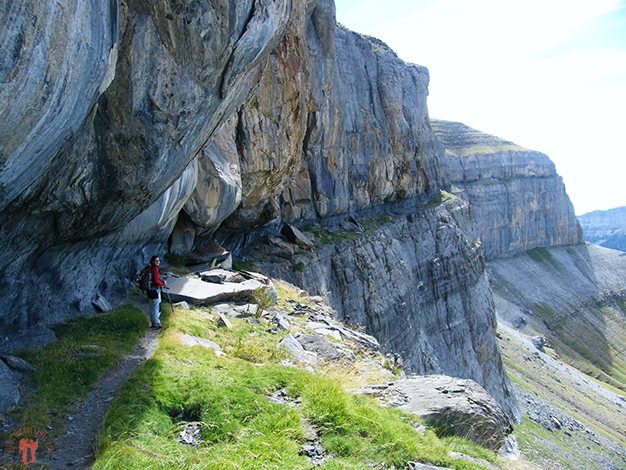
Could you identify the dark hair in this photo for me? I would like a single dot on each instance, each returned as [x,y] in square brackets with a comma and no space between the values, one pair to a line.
[153,258]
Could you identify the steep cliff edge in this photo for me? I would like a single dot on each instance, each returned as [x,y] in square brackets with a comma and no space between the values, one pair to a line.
[519,200]
[605,228]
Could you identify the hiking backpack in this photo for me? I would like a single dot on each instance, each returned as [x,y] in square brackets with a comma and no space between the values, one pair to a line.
[145,277]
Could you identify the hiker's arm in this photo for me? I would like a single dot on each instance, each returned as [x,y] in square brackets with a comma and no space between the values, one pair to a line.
[157,278]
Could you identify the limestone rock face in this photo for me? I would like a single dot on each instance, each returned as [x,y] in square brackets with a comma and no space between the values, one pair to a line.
[338,124]
[418,284]
[518,199]
[605,228]
[184,122]
[56,61]
[9,388]
[106,109]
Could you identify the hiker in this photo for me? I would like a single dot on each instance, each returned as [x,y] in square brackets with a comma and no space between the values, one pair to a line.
[154,292]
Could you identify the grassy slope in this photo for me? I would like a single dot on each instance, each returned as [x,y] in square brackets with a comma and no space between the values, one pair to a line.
[589,335]
[240,426]
[561,448]
[68,368]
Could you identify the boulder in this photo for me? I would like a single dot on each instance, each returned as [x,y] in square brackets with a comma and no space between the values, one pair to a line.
[280,319]
[102,304]
[291,345]
[224,321]
[211,253]
[280,247]
[459,406]
[324,348]
[362,339]
[197,291]
[294,235]
[539,342]
[219,276]
[352,225]
[322,329]
[18,364]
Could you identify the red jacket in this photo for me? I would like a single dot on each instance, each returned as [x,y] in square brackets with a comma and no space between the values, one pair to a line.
[156,280]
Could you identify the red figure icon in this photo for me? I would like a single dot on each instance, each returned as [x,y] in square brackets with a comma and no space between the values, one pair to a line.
[26,444]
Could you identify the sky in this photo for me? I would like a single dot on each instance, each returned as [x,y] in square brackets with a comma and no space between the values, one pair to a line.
[549,75]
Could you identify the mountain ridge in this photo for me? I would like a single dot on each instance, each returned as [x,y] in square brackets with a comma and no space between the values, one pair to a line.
[605,228]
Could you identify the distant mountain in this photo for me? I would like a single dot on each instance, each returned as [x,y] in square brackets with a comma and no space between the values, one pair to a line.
[605,228]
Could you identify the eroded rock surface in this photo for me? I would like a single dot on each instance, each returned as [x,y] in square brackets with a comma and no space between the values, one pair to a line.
[105,107]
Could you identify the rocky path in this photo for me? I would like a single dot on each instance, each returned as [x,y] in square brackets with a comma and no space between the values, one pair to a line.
[75,448]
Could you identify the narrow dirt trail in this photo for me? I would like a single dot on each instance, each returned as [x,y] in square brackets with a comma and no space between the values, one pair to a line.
[76,445]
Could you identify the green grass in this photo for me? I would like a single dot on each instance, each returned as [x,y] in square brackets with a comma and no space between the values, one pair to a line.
[247,265]
[444,196]
[66,370]
[541,255]
[489,150]
[553,449]
[240,426]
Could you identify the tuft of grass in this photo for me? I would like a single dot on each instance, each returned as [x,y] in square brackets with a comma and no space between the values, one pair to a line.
[262,298]
[68,368]
[244,265]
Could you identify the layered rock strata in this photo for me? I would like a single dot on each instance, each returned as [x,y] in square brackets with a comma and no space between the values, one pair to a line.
[154,130]
[519,200]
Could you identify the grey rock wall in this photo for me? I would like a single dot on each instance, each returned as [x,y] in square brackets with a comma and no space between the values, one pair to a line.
[519,200]
[233,117]
[337,124]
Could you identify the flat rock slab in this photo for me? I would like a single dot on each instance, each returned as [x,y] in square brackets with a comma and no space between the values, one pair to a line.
[459,405]
[196,291]
[324,348]
[191,341]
